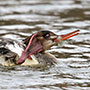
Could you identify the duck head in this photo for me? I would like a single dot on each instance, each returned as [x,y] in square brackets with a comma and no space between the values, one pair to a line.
[42,41]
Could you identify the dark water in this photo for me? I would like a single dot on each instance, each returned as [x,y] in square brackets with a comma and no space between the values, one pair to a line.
[21,18]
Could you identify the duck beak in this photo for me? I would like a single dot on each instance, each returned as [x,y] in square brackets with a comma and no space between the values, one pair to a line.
[34,46]
[66,36]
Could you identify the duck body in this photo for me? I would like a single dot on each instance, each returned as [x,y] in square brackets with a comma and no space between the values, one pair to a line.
[11,50]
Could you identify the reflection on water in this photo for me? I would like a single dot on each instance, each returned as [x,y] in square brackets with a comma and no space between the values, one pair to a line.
[21,18]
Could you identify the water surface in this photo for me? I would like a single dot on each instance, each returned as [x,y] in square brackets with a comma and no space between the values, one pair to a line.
[21,18]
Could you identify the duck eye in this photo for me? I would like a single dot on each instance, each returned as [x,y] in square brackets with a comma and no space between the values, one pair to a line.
[47,35]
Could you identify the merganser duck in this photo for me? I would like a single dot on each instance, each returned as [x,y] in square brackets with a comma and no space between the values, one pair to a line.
[32,50]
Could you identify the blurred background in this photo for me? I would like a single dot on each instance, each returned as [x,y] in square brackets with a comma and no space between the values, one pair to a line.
[21,18]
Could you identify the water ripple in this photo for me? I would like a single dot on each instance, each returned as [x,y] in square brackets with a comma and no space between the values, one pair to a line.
[21,18]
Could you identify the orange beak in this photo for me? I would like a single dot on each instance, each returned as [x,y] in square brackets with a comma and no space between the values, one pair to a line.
[66,36]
